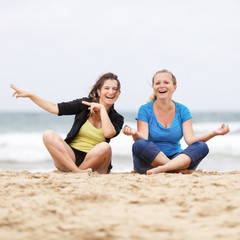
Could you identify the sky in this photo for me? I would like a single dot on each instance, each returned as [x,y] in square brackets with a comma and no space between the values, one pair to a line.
[58,48]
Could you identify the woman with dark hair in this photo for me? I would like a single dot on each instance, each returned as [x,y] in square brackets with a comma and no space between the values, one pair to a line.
[161,123]
[86,146]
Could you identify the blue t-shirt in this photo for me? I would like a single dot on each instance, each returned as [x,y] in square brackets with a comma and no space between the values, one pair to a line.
[167,139]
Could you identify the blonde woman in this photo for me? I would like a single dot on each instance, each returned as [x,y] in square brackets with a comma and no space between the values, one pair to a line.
[161,123]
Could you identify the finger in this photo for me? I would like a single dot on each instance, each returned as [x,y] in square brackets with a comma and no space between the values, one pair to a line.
[227,130]
[92,109]
[14,87]
[17,94]
[226,127]
[86,103]
[125,132]
[127,126]
[130,131]
[126,129]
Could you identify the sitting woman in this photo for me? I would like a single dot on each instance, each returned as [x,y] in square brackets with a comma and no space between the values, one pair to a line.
[86,146]
[161,123]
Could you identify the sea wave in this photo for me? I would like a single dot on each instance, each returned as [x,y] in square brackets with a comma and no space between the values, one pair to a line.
[21,145]
[29,147]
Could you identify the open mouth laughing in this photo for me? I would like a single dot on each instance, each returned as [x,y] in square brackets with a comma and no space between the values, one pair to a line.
[162,91]
[110,97]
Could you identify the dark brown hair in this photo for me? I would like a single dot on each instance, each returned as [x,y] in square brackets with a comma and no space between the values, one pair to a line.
[99,83]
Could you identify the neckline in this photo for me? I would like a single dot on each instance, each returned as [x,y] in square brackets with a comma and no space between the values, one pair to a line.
[172,120]
[93,125]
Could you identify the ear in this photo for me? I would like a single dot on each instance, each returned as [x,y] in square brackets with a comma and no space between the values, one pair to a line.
[175,87]
[98,92]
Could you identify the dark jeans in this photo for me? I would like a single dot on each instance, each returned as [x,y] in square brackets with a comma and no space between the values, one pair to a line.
[144,152]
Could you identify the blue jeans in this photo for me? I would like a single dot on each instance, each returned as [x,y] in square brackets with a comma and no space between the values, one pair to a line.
[144,152]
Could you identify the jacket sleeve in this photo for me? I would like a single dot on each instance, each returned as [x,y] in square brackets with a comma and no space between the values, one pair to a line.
[118,123]
[72,107]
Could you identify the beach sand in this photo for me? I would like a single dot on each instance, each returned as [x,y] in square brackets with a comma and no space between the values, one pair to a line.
[66,206]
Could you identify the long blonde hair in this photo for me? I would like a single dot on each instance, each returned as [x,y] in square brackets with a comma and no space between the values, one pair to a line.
[153,96]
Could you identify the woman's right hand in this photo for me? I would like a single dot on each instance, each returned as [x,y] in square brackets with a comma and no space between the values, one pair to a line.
[42,103]
[19,93]
[127,130]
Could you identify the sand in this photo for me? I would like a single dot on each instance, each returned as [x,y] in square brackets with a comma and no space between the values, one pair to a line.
[66,206]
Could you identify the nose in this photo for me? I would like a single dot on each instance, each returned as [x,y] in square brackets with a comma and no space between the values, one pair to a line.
[111,90]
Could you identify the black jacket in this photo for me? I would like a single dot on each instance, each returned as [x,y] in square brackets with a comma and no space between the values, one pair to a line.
[81,113]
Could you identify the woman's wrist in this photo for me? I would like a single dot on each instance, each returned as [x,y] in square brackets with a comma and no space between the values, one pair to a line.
[214,133]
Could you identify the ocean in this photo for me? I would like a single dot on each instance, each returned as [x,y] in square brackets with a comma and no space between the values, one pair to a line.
[21,146]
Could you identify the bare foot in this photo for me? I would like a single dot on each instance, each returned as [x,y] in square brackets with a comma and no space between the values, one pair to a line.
[88,170]
[188,171]
[155,170]
[149,172]
[184,171]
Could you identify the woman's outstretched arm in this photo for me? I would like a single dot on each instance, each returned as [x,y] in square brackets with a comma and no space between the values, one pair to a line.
[44,104]
[190,137]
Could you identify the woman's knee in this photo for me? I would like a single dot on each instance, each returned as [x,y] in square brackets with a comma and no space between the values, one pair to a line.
[203,147]
[105,147]
[138,146]
[140,166]
[48,137]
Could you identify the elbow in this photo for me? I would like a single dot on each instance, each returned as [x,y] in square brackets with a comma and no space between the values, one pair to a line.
[110,134]
[53,112]
[54,109]
[189,141]
[56,112]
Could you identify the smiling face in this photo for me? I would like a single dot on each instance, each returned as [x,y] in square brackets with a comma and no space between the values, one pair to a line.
[109,92]
[163,85]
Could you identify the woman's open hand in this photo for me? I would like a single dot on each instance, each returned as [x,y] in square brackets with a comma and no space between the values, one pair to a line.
[19,93]
[127,130]
[222,130]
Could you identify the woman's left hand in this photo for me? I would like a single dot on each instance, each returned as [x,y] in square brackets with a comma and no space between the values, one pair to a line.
[223,130]
[93,107]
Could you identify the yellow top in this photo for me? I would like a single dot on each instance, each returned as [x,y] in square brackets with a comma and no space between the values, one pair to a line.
[87,137]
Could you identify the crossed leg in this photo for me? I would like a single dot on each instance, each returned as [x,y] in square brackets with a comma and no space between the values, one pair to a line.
[178,164]
[62,154]
[98,158]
